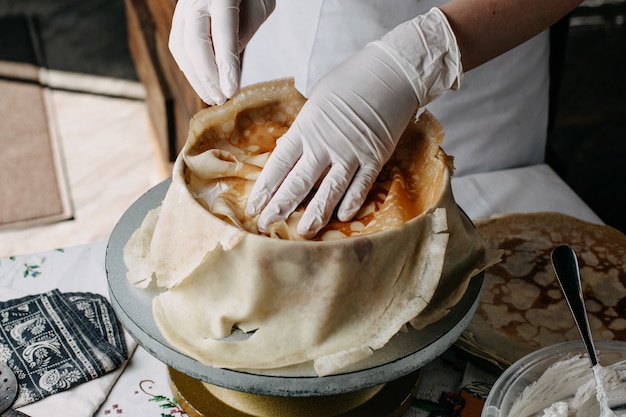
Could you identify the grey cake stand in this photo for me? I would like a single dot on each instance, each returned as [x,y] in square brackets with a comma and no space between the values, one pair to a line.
[404,355]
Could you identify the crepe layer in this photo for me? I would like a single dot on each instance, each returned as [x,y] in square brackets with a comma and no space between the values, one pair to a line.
[407,257]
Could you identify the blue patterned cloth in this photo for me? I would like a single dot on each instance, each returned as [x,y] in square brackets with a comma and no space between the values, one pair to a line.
[54,341]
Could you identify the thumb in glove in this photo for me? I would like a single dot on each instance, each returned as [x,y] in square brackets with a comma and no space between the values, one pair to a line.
[206,40]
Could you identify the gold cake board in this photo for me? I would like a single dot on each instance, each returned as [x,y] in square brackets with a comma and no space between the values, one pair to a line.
[200,399]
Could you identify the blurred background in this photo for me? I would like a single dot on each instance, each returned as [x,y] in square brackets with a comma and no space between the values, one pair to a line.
[113,53]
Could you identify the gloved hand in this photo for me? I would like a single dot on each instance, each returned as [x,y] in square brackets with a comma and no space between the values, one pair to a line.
[206,39]
[351,124]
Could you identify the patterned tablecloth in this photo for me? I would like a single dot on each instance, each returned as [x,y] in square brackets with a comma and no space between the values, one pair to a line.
[141,387]
[449,386]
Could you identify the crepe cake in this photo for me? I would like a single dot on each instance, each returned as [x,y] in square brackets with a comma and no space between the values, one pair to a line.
[408,256]
[522,308]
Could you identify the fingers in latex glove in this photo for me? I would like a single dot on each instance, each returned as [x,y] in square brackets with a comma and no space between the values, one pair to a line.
[341,138]
[352,122]
[206,40]
[300,180]
[224,27]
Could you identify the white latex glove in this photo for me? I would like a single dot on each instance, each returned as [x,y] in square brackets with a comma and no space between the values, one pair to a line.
[352,122]
[206,40]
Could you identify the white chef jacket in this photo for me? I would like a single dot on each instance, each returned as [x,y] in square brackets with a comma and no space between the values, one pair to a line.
[497,120]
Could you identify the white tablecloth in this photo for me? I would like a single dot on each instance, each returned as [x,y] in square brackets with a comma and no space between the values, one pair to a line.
[141,388]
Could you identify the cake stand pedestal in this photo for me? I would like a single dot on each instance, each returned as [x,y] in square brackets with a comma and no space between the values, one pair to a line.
[199,399]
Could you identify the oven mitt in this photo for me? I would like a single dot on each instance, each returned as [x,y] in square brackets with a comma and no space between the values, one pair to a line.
[55,341]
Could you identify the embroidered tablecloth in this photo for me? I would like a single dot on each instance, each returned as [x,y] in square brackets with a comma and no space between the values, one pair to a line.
[448,387]
[142,389]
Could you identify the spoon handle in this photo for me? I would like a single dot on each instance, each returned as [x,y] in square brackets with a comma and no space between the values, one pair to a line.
[567,273]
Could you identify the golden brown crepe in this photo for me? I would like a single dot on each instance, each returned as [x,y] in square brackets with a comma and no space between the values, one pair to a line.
[331,301]
[522,307]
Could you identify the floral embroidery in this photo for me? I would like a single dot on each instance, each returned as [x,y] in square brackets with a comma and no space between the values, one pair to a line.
[86,308]
[115,408]
[8,258]
[5,353]
[37,354]
[54,379]
[18,330]
[165,403]
[31,270]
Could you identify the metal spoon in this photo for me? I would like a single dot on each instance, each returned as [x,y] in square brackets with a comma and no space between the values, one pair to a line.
[567,273]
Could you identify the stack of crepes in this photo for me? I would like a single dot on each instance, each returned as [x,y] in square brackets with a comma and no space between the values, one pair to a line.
[407,257]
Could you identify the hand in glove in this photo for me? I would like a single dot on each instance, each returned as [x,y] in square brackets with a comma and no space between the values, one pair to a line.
[350,125]
[206,39]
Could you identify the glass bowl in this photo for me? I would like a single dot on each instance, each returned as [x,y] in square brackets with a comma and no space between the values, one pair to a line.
[509,387]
